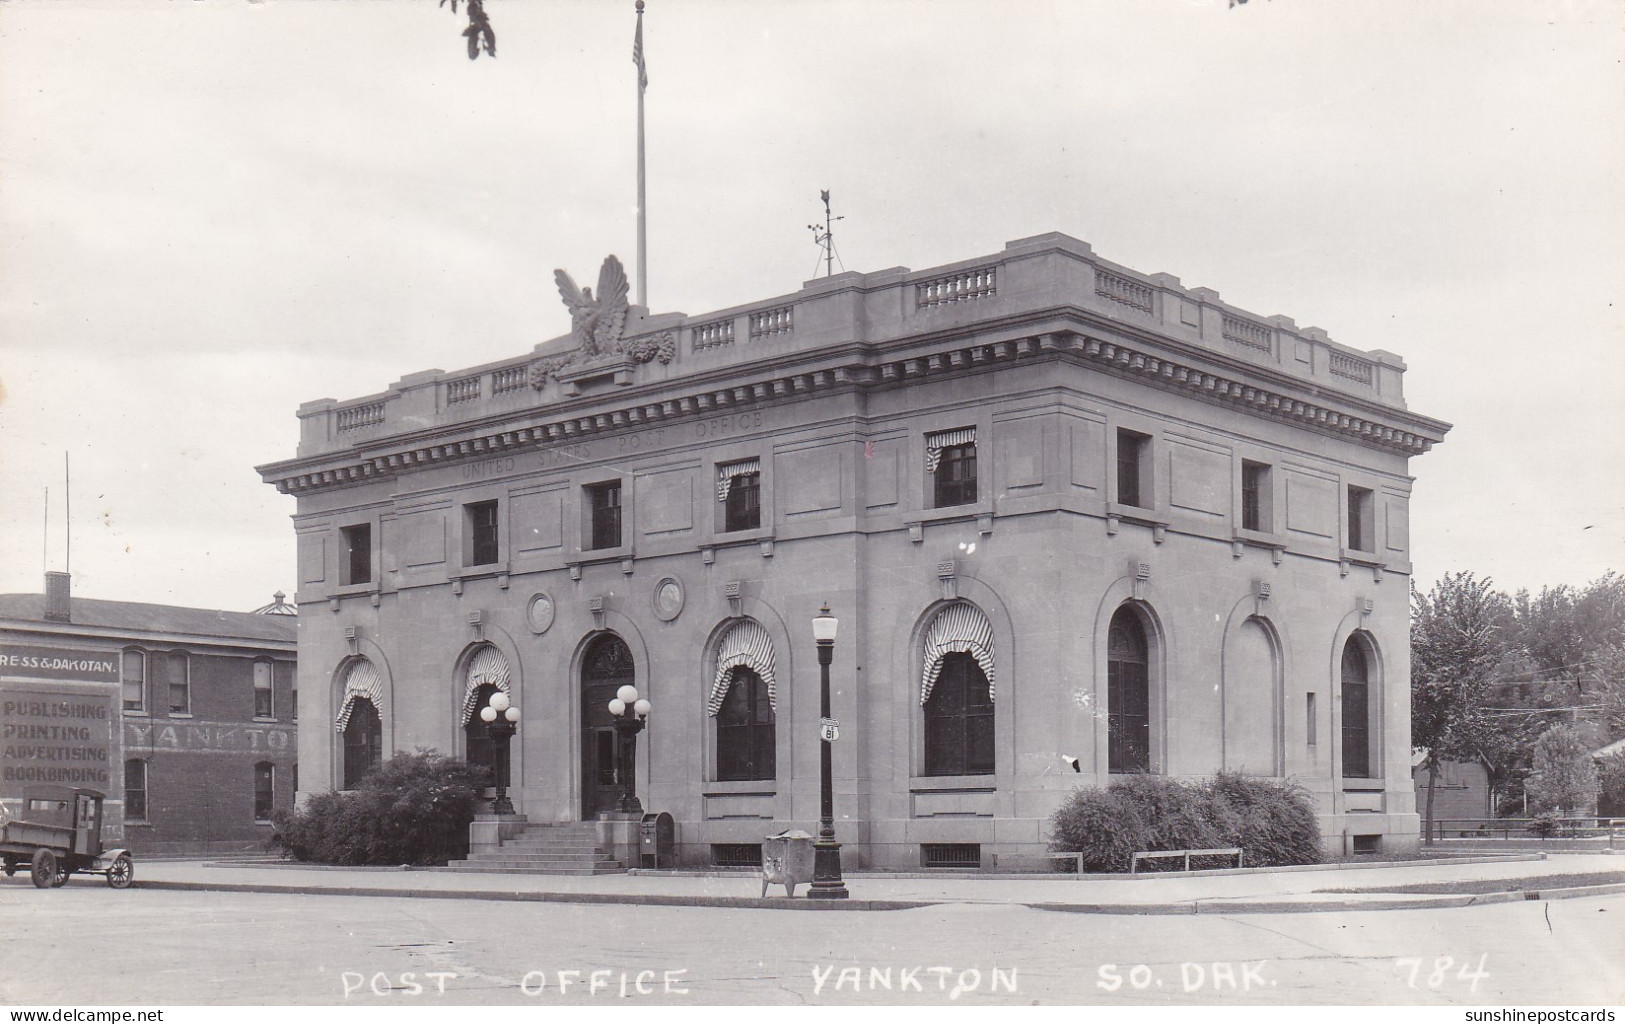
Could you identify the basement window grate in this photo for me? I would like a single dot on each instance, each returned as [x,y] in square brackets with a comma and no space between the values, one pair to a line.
[951,855]
[1367,844]
[736,855]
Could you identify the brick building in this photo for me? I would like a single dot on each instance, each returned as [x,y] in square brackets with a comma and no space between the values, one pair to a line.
[1065,512]
[206,745]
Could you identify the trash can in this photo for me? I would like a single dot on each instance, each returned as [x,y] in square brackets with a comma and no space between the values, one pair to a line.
[657,836]
[787,858]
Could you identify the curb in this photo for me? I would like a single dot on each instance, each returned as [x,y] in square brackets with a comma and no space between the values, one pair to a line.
[632,899]
[1418,902]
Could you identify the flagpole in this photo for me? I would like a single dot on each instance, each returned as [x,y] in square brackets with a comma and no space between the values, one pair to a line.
[643,223]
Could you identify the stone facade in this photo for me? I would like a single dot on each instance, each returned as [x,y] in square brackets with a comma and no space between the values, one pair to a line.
[1102,519]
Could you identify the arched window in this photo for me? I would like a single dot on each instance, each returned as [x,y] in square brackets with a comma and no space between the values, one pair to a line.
[363,741]
[745,744]
[135,790]
[1128,695]
[485,674]
[264,790]
[177,670]
[359,720]
[134,675]
[477,735]
[959,719]
[1356,711]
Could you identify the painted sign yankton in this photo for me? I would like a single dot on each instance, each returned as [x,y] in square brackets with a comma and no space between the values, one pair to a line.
[58,709]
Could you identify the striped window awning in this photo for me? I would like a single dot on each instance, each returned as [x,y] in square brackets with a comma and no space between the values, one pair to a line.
[487,668]
[935,443]
[749,645]
[726,475]
[361,680]
[957,629]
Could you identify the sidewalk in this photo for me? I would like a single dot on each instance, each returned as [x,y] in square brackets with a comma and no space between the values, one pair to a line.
[1283,891]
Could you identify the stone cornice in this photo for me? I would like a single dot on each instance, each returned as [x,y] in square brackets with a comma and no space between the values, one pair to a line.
[1155,361]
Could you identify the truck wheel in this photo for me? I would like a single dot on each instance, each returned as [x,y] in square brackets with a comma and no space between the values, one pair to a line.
[61,878]
[122,873]
[42,869]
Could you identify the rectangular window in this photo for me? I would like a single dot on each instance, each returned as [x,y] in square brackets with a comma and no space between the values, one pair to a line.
[264,790]
[742,510]
[954,482]
[134,675]
[263,704]
[604,505]
[178,682]
[1133,469]
[1309,718]
[482,533]
[1256,499]
[1361,534]
[135,790]
[357,542]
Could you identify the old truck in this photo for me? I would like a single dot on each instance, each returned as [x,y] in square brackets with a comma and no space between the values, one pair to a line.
[59,832]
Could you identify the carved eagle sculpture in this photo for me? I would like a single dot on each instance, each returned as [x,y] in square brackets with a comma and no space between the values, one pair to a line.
[597,320]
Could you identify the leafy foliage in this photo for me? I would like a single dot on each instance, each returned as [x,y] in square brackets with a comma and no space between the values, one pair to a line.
[479,33]
[412,809]
[1273,822]
[1458,640]
[1564,775]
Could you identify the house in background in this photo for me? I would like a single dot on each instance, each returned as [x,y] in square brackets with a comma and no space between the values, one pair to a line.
[1609,805]
[1462,790]
[204,747]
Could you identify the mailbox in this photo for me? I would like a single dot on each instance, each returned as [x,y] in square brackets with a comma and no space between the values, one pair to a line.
[657,841]
[787,859]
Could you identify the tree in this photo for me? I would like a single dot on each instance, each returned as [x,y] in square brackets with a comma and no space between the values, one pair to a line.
[1458,639]
[1564,776]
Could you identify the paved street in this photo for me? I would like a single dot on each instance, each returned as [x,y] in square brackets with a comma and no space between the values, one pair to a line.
[172,947]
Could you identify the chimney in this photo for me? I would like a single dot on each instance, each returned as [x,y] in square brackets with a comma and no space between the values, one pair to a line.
[58,597]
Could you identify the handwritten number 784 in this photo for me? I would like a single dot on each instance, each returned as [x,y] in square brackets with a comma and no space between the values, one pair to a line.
[1441,970]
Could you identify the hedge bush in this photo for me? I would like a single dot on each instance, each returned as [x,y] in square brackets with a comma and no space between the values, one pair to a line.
[1273,822]
[412,809]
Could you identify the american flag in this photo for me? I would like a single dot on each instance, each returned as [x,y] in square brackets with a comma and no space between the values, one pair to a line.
[637,55]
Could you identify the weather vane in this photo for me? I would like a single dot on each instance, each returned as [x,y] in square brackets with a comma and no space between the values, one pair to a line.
[824,236]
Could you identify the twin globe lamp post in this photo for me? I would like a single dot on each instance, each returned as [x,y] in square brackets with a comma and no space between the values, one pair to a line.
[630,712]
[501,718]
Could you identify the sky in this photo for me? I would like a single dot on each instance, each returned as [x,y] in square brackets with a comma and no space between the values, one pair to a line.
[212,211]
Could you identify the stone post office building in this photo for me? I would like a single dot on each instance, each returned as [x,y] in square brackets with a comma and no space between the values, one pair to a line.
[1062,509]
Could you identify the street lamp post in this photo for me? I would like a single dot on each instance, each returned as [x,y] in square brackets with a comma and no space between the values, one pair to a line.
[630,712]
[501,718]
[827,883]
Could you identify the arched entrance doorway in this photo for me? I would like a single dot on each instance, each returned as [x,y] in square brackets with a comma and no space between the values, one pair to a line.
[606,667]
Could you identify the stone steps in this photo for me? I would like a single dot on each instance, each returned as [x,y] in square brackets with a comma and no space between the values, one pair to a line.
[544,850]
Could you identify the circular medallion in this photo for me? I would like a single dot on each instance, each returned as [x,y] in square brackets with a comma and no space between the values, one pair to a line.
[540,613]
[668,598]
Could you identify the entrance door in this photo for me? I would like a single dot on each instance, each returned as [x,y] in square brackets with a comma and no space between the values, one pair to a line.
[606,668]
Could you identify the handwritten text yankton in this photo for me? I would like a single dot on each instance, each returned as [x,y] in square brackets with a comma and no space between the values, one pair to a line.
[950,980]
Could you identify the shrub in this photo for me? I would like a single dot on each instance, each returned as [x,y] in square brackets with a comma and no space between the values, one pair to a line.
[1272,822]
[412,809]
[1275,820]
[1101,824]
[1544,826]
